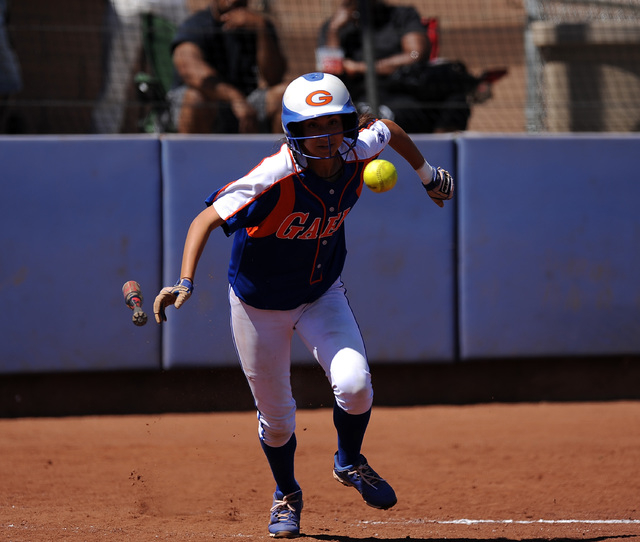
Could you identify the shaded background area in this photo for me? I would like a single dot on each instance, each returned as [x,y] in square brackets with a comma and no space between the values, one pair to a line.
[399,384]
[572,65]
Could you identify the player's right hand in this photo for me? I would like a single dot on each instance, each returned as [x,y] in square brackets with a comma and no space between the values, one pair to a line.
[171,295]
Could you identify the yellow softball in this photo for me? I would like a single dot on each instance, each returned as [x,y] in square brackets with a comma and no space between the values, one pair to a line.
[380,175]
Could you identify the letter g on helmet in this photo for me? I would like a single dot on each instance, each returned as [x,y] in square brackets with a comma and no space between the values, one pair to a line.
[319,97]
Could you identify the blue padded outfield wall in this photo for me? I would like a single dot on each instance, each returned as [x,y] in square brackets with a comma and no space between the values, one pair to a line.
[549,245]
[79,217]
[537,256]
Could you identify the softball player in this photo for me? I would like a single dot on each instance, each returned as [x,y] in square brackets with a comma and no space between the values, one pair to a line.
[288,216]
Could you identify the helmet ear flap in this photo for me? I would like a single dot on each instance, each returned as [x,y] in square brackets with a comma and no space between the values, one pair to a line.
[293,133]
[295,129]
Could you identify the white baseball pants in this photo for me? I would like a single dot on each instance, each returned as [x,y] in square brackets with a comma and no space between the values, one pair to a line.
[329,330]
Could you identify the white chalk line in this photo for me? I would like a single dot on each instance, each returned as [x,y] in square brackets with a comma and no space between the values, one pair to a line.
[509,521]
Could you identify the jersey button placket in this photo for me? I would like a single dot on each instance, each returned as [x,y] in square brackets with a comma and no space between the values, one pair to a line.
[318,270]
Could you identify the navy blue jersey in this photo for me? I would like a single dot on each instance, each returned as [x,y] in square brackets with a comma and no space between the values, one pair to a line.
[289,244]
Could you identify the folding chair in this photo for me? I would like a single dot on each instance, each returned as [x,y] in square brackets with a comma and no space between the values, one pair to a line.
[155,80]
[431,29]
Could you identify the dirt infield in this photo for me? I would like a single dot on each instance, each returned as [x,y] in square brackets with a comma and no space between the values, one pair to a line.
[542,471]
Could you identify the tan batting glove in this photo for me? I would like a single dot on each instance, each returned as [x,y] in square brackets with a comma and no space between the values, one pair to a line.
[441,187]
[171,295]
[437,182]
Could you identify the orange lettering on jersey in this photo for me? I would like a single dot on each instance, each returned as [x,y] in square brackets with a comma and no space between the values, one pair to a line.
[334,223]
[287,230]
[344,215]
[293,227]
[332,226]
[319,97]
[312,232]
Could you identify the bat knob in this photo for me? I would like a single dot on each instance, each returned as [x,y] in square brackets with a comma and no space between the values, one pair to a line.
[139,318]
[133,299]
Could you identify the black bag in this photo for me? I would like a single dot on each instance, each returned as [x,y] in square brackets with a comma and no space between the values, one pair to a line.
[433,81]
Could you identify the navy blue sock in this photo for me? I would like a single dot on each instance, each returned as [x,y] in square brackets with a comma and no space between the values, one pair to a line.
[351,429]
[281,462]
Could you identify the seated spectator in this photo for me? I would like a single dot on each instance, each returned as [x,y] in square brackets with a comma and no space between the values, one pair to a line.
[418,95]
[230,71]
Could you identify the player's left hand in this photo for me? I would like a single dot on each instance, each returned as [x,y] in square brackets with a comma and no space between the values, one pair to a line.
[441,187]
[171,295]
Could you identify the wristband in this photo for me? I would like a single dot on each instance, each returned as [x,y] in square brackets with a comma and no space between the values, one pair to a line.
[426,173]
[186,282]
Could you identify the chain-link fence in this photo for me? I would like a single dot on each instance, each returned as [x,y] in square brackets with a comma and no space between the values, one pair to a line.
[583,65]
[570,65]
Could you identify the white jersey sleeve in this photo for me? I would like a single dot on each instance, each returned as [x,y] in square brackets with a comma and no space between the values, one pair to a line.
[372,140]
[238,194]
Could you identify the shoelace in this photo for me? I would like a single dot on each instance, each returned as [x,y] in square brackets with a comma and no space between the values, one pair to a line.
[367,474]
[283,509]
